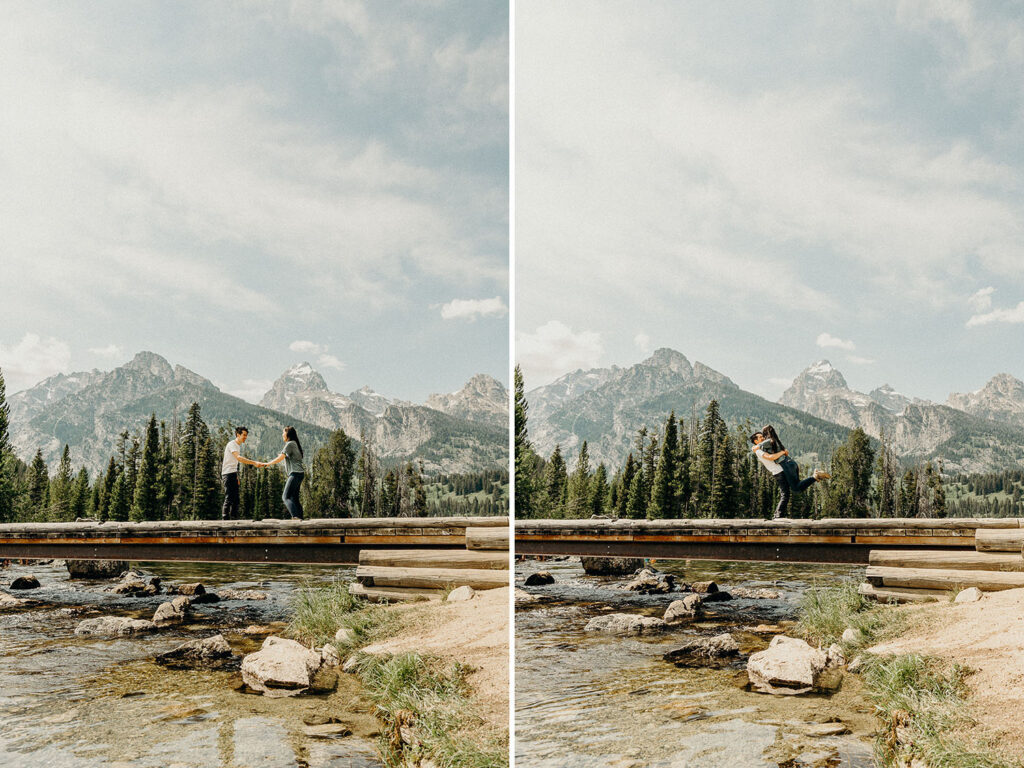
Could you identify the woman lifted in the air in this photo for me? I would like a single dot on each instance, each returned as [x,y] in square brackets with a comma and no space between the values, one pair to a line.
[773,454]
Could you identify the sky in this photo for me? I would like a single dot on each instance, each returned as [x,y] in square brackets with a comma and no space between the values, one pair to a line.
[763,185]
[242,186]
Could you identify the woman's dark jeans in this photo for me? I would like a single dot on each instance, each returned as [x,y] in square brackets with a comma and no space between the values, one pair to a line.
[290,497]
[789,482]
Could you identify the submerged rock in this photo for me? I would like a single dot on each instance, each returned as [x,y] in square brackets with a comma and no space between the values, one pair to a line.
[687,608]
[611,566]
[10,601]
[650,582]
[625,624]
[703,649]
[522,597]
[791,666]
[241,594]
[539,579]
[135,584]
[25,583]
[113,626]
[95,569]
[207,652]
[281,668]
[192,589]
[755,594]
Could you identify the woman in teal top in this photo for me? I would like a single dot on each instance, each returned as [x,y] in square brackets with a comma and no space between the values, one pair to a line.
[291,455]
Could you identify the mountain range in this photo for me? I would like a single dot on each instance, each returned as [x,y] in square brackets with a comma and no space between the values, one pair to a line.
[458,432]
[977,432]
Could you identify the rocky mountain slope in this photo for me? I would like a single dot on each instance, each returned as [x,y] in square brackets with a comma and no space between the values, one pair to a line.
[88,411]
[483,399]
[1001,399]
[607,406]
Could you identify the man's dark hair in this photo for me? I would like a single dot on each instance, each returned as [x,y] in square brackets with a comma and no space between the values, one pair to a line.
[755,435]
[240,430]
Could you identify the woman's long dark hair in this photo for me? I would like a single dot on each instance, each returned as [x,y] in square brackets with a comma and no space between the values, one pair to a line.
[291,434]
[770,434]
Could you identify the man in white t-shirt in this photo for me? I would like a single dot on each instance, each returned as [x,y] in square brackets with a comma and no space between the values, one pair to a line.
[229,473]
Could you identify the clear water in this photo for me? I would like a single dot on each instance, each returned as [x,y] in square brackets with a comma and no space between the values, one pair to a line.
[88,702]
[588,699]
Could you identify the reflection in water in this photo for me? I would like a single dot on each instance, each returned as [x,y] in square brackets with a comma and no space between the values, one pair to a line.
[585,699]
[67,700]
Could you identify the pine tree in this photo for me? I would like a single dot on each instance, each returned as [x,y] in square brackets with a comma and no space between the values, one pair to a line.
[81,497]
[113,470]
[665,492]
[38,487]
[165,475]
[196,470]
[579,486]
[886,468]
[330,482]
[146,504]
[599,491]
[131,468]
[636,499]
[6,457]
[849,491]
[624,484]
[525,458]
[722,496]
[367,473]
[119,501]
[556,483]
[60,488]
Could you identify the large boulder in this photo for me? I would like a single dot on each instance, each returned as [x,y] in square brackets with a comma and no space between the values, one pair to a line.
[650,582]
[206,652]
[681,610]
[790,666]
[95,569]
[611,566]
[173,612]
[281,668]
[625,624]
[539,579]
[113,626]
[702,650]
[25,582]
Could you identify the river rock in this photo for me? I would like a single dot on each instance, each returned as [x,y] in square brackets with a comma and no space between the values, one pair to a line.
[463,593]
[135,584]
[192,589]
[650,582]
[329,656]
[791,666]
[25,582]
[611,566]
[969,595]
[716,597]
[173,612]
[10,601]
[205,597]
[539,579]
[206,652]
[95,569]
[330,731]
[281,668]
[114,626]
[704,587]
[687,608]
[755,594]
[344,635]
[522,597]
[625,624]
[703,649]
[241,594]
[852,636]
[856,665]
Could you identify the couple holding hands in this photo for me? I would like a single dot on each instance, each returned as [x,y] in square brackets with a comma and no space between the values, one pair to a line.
[291,455]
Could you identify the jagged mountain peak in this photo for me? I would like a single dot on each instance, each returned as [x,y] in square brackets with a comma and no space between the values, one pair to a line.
[483,399]
[150,362]
[665,357]
[824,374]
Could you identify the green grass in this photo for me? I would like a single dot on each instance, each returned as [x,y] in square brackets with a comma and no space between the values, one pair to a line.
[320,611]
[429,699]
[922,710]
[826,611]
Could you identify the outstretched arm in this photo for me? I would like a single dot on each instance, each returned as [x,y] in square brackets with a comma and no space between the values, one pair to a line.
[278,460]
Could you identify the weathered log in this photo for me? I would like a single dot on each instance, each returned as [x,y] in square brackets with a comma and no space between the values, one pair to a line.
[495,538]
[933,578]
[901,595]
[433,558]
[946,560]
[999,540]
[392,594]
[431,578]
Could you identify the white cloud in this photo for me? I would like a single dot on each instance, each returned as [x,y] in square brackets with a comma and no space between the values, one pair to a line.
[1014,315]
[250,390]
[858,360]
[827,340]
[110,351]
[470,309]
[554,349]
[33,359]
[307,347]
[642,342]
[981,300]
[330,361]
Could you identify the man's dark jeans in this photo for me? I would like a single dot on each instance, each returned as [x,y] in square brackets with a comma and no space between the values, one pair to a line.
[230,509]
[789,482]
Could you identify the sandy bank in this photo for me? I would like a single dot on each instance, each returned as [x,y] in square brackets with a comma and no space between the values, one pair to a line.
[987,636]
[474,632]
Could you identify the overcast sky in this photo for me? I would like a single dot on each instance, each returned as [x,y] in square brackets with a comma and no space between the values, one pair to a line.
[241,186]
[761,185]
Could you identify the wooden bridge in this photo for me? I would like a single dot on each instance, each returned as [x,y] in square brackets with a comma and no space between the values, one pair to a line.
[817,541]
[335,540]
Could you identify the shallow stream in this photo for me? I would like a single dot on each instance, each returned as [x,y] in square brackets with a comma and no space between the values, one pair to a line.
[590,699]
[87,702]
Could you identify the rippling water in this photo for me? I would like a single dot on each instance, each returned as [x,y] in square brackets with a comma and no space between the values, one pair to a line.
[86,702]
[587,699]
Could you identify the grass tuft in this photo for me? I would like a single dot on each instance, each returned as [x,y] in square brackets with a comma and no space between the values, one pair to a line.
[320,611]
[826,611]
[425,708]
